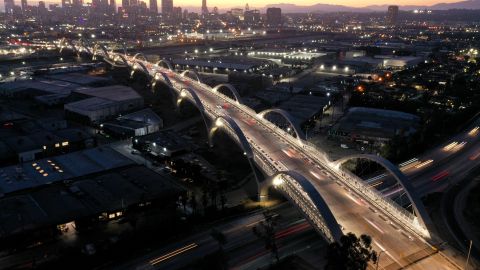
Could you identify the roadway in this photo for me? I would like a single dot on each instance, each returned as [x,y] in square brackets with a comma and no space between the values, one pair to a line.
[402,247]
[442,166]
[243,248]
[354,214]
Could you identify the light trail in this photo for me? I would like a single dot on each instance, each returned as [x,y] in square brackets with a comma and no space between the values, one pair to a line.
[374,225]
[474,131]
[423,164]
[449,146]
[173,253]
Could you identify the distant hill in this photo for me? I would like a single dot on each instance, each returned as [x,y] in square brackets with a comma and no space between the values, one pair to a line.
[323,8]
[292,8]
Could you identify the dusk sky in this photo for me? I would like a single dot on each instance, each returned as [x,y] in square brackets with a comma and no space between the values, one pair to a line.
[222,4]
[354,3]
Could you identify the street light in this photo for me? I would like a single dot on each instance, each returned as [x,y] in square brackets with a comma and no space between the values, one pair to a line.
[378,258]
[277,181]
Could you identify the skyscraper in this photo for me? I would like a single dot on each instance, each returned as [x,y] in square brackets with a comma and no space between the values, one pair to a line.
[204,7]
[113,6]
[167,7]
[77,3]
[274,16]
[153,6]
[9,6]
[125,3]
[24,5]
[392,15]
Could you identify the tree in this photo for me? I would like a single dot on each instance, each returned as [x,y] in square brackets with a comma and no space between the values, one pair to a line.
[351,253]
[219,237]
[266,231]
[193,203]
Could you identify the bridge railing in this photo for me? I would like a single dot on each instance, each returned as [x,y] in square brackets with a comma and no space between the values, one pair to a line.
[352,181]
[348,179]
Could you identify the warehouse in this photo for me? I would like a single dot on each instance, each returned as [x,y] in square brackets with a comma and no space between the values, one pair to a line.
[103,103]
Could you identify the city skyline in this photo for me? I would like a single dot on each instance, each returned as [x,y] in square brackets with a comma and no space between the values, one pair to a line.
[241,3]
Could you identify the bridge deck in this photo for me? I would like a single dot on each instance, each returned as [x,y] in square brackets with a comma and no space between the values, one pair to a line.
[401,248]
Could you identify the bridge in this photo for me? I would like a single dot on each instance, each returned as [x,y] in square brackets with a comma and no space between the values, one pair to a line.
[333,200]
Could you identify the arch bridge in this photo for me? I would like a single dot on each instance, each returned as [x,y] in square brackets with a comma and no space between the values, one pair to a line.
[325,193]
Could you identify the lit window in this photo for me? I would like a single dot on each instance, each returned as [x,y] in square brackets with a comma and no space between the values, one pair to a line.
[64,143]
[45,174]
[57,145]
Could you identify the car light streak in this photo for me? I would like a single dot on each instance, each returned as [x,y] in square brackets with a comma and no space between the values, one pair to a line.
[474,131]
[374,225]
[439,176]
[173,253]
[423,164]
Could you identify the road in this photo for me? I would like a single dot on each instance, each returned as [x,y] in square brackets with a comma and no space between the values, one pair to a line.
[243,248]
[353,213]
[402,247]
[450,162]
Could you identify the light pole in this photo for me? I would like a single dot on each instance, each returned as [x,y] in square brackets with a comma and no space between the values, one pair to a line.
[378,258]
[468,256]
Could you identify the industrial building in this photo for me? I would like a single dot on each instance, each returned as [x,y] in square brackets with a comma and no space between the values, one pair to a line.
[139,123]
[103,103]
[161,144]
[84,201]
[370,126]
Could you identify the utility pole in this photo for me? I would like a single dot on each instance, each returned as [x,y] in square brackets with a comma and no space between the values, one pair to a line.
[468,256]
[378,259]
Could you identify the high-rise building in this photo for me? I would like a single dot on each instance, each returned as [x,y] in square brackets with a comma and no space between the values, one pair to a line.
[237,13]
[42,9]
[247,7]
[274,16]
[167,7]
[204,7]
[66,3]
[113,6]
[77,3]
[251,17]
[392,15]
[125,3]
[177,14]
[153,6]
[24,5]
[9,6]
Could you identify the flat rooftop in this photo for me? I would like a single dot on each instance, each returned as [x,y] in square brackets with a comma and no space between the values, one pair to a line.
[377,122]
[78,78]
[88,196]
[43,85]
[49,170]
[113,92]
[303,107]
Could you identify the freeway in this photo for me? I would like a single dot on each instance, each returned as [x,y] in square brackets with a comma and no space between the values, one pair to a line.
[441,167]
[354,207]
[244,249]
